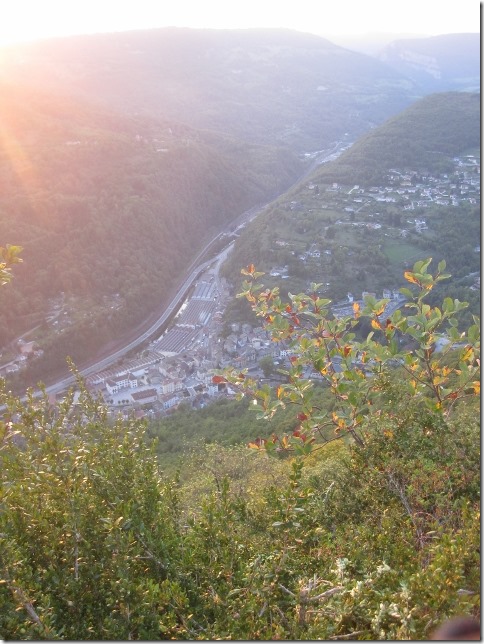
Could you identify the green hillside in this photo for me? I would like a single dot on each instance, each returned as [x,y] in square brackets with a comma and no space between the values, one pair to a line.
[423,137]
[360,234]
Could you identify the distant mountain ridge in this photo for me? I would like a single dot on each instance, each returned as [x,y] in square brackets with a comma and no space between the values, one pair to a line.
[352,223]
[438,63]
[267,86]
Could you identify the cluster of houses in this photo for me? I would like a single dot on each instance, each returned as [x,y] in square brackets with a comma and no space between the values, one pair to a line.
[246,345]
[26,350]
[155,381]
[314,252]
[394,300]
[413,189]
[180,364]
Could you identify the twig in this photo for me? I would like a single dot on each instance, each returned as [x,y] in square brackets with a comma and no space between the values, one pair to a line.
[286,590]
[263,609]
[393,484]
[326,594]
[304,600]
[340,637]
[76,557]
[283,617]
[20,596]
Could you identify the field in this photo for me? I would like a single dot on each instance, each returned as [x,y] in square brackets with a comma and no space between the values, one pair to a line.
[401,253]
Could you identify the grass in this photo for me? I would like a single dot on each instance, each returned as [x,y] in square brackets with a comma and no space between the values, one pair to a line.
[401,252]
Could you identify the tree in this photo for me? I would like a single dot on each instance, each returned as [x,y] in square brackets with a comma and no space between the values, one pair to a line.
[403,503]
[267,365]
[353,370]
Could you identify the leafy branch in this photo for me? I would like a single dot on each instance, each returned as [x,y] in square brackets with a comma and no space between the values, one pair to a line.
[323,345]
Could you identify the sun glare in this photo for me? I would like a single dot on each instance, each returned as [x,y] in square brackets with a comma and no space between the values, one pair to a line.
[26,20]
[21,23]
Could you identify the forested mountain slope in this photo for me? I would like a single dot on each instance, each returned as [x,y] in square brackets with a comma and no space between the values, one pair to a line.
[104,203]
[270,86]
[425,136]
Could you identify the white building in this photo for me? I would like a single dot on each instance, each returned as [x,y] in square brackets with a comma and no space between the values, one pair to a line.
[124,381]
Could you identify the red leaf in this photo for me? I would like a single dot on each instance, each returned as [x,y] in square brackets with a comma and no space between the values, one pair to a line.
[216,380]
[298,434]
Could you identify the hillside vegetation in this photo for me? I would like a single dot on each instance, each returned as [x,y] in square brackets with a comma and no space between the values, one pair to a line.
[351,238]
[363,525]
[103,204]
[423,137]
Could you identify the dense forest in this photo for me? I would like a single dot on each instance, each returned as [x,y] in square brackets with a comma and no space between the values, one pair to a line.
[362,522]
[105,205]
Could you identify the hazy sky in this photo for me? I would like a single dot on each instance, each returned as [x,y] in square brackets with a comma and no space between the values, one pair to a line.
[32,19]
